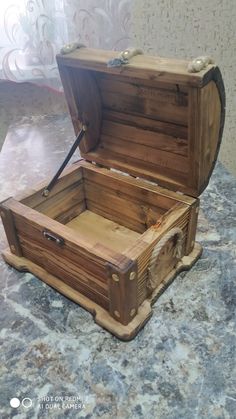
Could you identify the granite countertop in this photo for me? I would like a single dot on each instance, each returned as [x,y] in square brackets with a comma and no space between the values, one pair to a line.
[181,365]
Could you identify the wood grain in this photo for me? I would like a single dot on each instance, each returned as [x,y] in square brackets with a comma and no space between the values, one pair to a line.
[98,229]
[134,209]
[204,134]
[162,175]
[150,108]
[162,93]
[147,124]
[151,193]
[142,153]
[114,132]
[192,227]
[157,120]
[33,196]
[84,104]
[123,293]
[157,69]
[63,201]
[10,228]
[31,221]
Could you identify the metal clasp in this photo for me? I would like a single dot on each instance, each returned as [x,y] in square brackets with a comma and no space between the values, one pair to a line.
[51,237]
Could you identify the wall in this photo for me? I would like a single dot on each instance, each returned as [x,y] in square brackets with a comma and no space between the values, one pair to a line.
[185,29]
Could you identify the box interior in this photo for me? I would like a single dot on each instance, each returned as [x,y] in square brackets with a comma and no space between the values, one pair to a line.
[141,126]
[151,118]
[102,210]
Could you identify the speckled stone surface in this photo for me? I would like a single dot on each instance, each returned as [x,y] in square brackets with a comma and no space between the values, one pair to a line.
[181,365]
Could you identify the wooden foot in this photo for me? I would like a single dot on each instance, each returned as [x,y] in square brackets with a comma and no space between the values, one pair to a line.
[101,316]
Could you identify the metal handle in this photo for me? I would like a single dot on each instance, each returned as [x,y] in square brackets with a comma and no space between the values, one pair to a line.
[51,237]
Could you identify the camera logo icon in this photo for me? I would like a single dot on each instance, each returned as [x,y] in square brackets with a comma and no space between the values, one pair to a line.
[26,402]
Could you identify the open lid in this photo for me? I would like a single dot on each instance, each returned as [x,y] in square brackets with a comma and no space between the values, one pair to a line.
[150,118]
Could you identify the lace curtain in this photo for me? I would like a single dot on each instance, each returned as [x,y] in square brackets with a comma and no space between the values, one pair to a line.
[33,31]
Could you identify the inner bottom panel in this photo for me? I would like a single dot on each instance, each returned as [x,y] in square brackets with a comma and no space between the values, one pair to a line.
[98,229]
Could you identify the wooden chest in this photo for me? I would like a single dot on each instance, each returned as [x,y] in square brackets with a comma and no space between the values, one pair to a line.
[120,223]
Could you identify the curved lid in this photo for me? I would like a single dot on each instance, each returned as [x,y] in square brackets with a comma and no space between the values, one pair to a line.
[150,118]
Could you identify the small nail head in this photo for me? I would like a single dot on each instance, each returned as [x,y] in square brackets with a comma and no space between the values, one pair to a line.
[45,192]
[117,314]
[132,312]
[12,247]
[115,277]
[132,276]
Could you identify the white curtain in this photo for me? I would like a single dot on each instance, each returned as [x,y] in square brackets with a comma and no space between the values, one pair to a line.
[33,31]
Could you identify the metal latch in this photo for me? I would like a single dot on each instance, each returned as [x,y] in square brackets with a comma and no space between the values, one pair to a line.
[51,237]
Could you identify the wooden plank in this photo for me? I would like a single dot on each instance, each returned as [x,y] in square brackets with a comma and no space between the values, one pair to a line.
[168,178]
[115,216]
[127,195]
[62,201]
[10,229]
[89,106]
[76,270]
[204,129]
[210,109]
[141,192]
[140,90]
[194,143]
[65,75]
[142,66]
[116,131]
[140,212]
[192,226]
[128,184]
[173,88]
[123,301]
[148,124]
[98,229]
[162,111]
[147,154]
[84,104]
[68,215]
[30,234]
[69,272]
[141,153]
[26,218]
[33,196]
